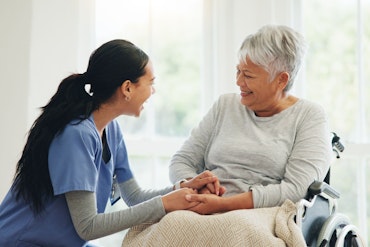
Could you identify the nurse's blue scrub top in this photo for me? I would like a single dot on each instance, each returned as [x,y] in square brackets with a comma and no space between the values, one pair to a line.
[75,163]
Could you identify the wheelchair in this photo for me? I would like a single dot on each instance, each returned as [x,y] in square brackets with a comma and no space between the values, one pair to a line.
[318,218]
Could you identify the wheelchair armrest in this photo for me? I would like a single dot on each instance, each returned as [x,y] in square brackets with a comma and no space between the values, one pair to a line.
[318,187]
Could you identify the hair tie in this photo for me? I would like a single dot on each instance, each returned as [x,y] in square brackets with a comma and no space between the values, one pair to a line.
[88,89]
[87,86]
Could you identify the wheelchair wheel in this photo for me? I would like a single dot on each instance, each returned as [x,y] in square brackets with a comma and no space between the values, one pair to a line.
[338,232]
[330,229]
[349,236]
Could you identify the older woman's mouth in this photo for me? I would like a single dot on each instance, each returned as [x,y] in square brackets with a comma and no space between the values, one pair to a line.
[245,93]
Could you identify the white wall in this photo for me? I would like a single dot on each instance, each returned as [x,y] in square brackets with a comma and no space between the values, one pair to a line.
[41,42]
[15,25]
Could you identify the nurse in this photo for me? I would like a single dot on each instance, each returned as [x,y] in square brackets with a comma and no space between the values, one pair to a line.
[75,159]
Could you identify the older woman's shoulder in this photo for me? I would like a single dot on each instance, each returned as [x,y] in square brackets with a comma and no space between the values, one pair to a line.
[305,103]
[310,107]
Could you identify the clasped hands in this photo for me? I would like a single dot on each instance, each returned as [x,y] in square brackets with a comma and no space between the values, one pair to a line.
[201,194]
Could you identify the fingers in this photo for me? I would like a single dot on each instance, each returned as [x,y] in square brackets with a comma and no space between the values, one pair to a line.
[214,184]
[190,204]
[222,190]
[204,190]
[211,188]
[176,200]
[214,187]
[211,183]
[195,198]
[206,182]
[191,191]
[206,174]
[207,179]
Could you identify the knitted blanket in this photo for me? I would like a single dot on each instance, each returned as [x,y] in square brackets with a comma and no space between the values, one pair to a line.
[251,227]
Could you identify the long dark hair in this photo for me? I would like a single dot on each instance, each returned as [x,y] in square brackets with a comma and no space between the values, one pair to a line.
[109,66]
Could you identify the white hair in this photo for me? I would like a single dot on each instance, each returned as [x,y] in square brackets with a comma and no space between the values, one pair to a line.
[277,49]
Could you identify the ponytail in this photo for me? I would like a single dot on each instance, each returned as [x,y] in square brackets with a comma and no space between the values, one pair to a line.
[71,101]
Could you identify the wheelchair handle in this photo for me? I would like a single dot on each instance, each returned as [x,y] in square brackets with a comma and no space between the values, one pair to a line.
[318,187]
[336,144]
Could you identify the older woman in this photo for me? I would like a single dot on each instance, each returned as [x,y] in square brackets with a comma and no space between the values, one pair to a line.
[265,145]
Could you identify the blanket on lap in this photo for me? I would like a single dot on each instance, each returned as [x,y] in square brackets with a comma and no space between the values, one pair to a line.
[251,227]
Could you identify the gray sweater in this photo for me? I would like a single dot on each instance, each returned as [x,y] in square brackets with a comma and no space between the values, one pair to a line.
[276,157]
[144,206]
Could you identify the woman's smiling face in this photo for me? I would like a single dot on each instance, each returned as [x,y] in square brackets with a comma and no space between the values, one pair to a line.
[142,90]
[257,91]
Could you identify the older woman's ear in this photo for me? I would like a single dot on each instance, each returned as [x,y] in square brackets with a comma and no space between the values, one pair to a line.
[283,79]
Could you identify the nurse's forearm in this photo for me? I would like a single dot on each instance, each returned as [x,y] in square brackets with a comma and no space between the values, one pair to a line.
[90,225]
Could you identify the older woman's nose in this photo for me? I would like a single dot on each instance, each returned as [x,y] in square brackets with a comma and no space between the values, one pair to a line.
[239,81]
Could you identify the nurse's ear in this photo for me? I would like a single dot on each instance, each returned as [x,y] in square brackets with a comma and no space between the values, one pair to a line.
[126,89]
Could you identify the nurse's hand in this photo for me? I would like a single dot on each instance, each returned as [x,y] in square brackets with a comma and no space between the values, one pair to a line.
[175,200]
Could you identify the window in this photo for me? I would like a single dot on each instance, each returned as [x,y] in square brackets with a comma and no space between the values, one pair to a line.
[337,76]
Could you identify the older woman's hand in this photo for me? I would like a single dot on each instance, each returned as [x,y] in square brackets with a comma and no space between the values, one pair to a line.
[210,203]
[206,183]
[207,203]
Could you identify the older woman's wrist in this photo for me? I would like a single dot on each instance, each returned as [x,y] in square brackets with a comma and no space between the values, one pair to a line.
[179,184]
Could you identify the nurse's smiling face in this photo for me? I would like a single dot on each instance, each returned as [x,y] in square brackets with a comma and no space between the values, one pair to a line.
[143,89]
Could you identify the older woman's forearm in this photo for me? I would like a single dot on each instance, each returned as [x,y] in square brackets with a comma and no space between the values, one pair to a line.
[240,201]
[210,203]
